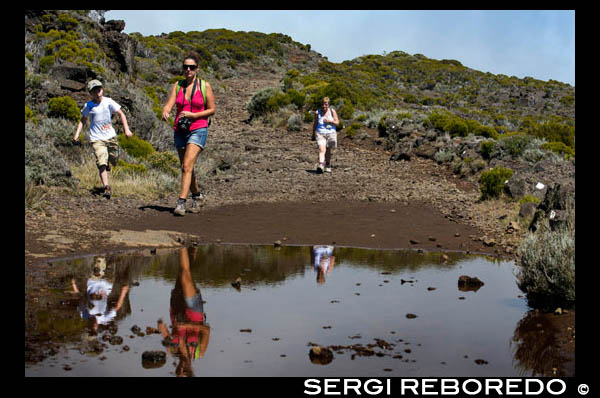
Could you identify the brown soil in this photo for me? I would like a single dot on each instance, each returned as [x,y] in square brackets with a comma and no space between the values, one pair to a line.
[271,193]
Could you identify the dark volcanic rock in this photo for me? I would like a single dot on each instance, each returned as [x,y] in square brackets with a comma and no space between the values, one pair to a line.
[320,355]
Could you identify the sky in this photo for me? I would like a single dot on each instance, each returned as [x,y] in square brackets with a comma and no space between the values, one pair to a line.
[535,43]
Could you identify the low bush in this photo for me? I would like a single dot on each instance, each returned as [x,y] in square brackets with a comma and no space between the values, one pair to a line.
[294,123]
[547,266]
[528,199]
[167,162]
[353,129]
[559,148]
[135,146]
[444,156]
[346,111]
[486,148]
[29,115]
[491,182]
[129,168]
[64,107]
[512,145]
[257,105]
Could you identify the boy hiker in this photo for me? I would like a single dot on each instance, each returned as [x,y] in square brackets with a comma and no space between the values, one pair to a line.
[102,134]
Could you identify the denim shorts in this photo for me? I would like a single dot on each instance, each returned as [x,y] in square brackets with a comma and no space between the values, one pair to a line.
[197,137]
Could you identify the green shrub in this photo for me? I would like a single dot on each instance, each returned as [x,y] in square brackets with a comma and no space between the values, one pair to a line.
[361,118]
[528,199]
[513,145]
[135,146]
[46,63]
[64,107]
[554,132]
[346,110]
[547,266]
[257,105]
[276,101]
[129,168]
[491,182]
[29,115]
[309,117]
[486,149]
[166,162]
[295,97]
[353,129]
[558,147]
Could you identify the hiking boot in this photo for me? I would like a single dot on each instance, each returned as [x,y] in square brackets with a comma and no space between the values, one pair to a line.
[320,169]
[179,208]
[196,203]
[106,193]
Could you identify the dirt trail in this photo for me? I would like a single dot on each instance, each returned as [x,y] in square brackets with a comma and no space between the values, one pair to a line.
[268,191]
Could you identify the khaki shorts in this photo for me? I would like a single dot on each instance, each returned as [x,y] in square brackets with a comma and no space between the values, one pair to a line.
[106,151]
[329,140]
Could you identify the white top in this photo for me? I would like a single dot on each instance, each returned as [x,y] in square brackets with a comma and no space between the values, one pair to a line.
[100,118]
[98,308]
[323,253]
[322,127]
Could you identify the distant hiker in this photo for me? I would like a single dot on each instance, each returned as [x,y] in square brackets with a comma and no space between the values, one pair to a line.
[326,120]
[102,134]
[195,103]
[191,332]
[323,261]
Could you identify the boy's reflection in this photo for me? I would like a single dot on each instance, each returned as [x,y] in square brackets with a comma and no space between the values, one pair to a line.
[104,301]
[322,261]
[191,332]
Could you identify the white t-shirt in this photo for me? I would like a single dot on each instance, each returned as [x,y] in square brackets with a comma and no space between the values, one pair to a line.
[325,253]
[98,308]
[101,118]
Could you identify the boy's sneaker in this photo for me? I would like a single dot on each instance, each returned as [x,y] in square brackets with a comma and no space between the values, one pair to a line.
[179,208]
[320,169]
[106,193]
[196,203]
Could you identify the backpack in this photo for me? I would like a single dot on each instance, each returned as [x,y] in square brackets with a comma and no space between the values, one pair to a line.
[202,90]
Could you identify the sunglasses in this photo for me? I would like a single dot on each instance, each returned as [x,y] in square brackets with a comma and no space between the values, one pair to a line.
[191,67]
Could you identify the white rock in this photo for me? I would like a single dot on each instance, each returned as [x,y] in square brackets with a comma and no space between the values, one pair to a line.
[539,186]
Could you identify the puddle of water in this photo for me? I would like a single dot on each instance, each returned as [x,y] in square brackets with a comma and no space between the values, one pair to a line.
[382,313]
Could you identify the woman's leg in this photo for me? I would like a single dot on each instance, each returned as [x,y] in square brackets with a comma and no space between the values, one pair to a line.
[185,275]
[328,156]
[322,151]
[194,182]
[187,167]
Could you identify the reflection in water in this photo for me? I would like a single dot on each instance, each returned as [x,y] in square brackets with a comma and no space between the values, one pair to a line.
[191,332]
[102,302]
[322,261]
[535,348]
[445,339]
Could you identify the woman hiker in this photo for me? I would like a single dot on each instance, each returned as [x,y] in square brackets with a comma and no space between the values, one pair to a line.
[190,128]
[326,120]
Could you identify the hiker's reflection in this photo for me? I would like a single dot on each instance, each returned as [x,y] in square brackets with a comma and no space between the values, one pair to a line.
[322,261]
[103,301]
[190,331]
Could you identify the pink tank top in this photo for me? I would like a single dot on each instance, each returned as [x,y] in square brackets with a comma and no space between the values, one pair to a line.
[197,105]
